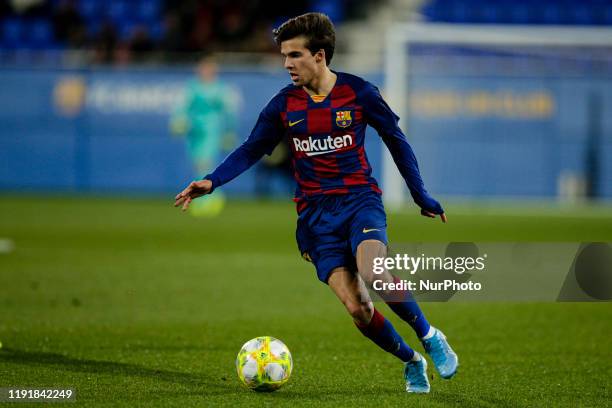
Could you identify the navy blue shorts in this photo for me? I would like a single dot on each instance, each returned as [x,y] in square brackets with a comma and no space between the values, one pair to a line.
[331,227]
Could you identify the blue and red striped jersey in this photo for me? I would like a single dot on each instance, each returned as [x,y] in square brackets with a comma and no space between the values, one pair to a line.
[327,141]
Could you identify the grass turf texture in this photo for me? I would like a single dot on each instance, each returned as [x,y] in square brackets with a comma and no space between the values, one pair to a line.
[132,303]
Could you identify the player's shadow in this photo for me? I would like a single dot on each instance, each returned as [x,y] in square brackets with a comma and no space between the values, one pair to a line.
[78,365]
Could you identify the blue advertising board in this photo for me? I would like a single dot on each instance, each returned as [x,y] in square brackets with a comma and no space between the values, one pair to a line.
[107,131]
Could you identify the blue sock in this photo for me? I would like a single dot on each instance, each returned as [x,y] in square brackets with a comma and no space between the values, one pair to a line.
[381,332]
[410,312]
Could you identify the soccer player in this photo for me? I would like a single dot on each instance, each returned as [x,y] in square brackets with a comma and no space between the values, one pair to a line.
[341,223]
[206,117]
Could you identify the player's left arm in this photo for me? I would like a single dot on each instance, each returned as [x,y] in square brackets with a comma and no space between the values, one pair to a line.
[379,115]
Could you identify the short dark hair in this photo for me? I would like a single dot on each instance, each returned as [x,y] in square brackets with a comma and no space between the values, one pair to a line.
[316,27]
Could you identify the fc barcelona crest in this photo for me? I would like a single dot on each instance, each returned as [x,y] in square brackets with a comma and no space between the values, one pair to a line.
[343,118]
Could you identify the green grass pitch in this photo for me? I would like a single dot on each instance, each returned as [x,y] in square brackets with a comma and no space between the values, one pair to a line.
[132,303]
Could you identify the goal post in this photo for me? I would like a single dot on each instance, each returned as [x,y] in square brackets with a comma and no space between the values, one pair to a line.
[476,43]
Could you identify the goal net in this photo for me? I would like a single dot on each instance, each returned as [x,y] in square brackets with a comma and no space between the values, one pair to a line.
[502,111]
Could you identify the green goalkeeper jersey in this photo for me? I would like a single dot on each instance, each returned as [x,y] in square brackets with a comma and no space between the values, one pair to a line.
[205,117]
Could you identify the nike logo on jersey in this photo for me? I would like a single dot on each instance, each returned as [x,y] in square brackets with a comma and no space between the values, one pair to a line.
[315,147]
[366,230]
[295,123]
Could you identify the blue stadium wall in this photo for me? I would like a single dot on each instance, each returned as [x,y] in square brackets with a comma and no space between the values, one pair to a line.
[512,136]
[106,131]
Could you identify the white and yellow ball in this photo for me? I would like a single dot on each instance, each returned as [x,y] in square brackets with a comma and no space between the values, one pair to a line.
[264,364]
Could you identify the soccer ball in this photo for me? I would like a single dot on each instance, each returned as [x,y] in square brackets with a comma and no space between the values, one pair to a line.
[264,364]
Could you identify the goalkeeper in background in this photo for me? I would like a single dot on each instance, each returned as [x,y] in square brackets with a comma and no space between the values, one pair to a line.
[207,118]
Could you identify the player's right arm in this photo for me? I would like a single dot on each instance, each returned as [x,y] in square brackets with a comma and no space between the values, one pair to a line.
[264,137]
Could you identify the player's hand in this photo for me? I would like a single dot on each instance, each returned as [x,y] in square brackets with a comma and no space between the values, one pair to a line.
[431,208]
[194,190]
[432,215]
[179,126]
